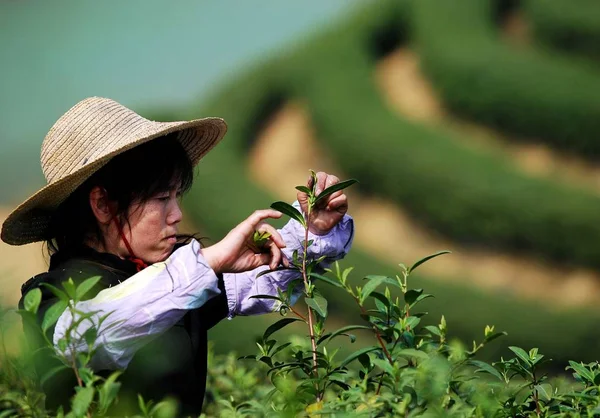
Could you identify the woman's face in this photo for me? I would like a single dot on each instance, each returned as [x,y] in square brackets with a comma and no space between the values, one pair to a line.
[152,227]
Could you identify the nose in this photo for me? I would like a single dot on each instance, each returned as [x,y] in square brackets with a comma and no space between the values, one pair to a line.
[175,215]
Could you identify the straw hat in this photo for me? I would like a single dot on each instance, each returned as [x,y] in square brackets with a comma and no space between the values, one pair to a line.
[82,141]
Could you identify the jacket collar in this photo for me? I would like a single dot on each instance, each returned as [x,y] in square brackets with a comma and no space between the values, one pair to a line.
[89,254]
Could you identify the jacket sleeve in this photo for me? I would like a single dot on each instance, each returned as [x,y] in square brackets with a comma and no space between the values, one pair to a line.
[240,287]
[140,308]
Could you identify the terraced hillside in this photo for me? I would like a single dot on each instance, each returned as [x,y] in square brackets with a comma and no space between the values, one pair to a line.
[462,137]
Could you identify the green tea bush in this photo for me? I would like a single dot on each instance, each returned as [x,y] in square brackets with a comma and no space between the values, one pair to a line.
[568,25]
[411,369]
[528,93]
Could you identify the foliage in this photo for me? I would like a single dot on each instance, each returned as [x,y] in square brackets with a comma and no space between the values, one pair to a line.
[530,93]
[411,369]
[568,25]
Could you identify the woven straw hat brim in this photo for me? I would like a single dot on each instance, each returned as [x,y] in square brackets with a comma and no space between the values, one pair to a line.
[30,221]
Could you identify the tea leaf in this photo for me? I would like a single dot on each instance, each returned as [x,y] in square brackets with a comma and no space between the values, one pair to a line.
[582,371]
[304,189]
[326,280]
[290,211]
[278,325]
[86,286]
[521,354]
[82,401]
[487,368]
[53,313]
[319,304]
[423,260]
[334,188]
[372,284]
[32,300]
[342,331]
[357,354]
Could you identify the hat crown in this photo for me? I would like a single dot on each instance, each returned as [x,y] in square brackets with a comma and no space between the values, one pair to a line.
[90,130]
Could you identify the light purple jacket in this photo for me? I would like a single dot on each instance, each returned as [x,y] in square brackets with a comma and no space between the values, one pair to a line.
[155,299]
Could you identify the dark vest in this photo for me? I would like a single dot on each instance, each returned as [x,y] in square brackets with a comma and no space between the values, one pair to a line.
[173,364]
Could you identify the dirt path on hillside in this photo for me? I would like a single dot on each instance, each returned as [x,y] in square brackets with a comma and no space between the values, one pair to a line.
[280,160]
[407,91]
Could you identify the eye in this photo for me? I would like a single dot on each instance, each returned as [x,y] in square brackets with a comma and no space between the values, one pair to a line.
[164,198]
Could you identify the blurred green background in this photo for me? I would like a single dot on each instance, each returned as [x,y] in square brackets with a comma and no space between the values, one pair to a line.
[472,126]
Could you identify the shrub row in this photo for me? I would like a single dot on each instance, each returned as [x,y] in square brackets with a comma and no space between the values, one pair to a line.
[529,93]
[469,196]
[568,25]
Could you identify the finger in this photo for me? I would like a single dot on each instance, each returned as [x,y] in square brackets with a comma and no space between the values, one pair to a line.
[331,180]
[321,178]
[275,256]
[275,235]
[334,196]
[260,215]
[340,204]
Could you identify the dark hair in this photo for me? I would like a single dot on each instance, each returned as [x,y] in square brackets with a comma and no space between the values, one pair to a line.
[133,176]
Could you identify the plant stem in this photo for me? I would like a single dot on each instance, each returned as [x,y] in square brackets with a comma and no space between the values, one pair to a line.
[377,334]
[298,314]
[535,394]
[310,318]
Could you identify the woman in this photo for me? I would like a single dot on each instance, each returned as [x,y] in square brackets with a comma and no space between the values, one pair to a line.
[111,209]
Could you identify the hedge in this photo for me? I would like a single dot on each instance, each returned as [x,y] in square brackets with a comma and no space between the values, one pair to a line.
[568,25]
[529,93]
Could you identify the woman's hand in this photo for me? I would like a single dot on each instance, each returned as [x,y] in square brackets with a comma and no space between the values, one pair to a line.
[237,252]
[329,211]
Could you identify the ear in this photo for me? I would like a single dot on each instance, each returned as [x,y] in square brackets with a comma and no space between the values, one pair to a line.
[100,205]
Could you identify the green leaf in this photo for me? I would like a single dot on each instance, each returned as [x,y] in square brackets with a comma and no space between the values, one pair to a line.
[372,284]
[412,322]
[266,297]
[281,268]
[82,400]
[319,304]
[582,371]
[487,368]
[545,391]
[411,352]
[326,280]
[434,330]
[357,354]
[387,280]
[278,325]
[108,391]
[304,189]
[423,260]
[69,287]
[334,188]
[494,336]
[290,211]
[32,300]
[164,409]
[342,331]
[56,291]
[53,313]
[411,296]
[385,366]
[421,297]
[521,354]
[86,286]
[52,372]
[281,347]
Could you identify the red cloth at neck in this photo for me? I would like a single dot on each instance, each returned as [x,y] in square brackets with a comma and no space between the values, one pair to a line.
[140,264]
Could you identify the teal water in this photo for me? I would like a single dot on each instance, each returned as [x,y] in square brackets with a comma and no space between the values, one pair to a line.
[142,53]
